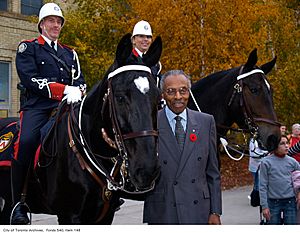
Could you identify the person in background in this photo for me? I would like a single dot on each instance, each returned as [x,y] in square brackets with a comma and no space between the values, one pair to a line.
[283,130]
[188,190]
[50,72]
[256,154]
[294,138]
[141,40]
[294,149]
[276,190]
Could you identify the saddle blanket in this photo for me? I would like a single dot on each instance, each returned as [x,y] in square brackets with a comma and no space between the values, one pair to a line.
[8,136]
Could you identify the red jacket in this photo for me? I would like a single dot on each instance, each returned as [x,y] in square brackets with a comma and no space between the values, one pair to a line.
[293,141]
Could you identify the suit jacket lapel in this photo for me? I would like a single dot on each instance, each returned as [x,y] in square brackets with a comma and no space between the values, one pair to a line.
[192,127]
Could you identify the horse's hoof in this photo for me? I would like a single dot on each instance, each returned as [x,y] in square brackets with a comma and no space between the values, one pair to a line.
[19,216]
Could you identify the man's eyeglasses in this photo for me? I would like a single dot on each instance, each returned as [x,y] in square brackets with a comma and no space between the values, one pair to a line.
[173,91]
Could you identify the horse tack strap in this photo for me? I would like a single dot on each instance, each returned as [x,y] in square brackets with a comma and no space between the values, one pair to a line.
[127,68]
[140,134]
[241,76]
[267,121]
[82,162]
[106,194]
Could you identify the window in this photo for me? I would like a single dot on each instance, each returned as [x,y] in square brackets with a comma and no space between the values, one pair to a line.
[3,5]
[30,7]
[4,86]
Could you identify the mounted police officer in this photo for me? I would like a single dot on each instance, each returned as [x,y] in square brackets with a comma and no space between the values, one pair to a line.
[141,40]
[50,72]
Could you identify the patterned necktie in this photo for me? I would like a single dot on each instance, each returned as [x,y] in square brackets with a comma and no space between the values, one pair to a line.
[53,46]
[179,133]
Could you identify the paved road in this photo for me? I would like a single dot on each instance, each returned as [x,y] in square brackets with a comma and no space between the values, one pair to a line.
[236,211]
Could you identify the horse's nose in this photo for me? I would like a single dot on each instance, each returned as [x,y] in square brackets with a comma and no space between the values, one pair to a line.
[144,178]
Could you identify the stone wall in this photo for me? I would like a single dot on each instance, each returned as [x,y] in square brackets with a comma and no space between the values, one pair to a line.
[14,28]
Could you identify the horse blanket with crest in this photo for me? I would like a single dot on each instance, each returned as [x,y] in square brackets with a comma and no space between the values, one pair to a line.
[9,130]
[8,136]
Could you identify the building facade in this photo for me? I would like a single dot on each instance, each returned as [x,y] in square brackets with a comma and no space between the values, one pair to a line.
[15,26]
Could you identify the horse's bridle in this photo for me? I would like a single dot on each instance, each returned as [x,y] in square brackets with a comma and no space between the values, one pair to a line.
[119,137]
[250,121]
[121,161]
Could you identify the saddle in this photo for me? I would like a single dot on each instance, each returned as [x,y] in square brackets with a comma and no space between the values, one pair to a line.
[49,132]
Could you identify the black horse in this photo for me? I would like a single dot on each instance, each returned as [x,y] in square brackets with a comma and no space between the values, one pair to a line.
[102,146]
[240,95]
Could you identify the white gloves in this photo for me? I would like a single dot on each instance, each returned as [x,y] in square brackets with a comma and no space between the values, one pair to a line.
[73,94]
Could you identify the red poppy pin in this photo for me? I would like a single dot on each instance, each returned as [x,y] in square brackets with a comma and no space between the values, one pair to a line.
[193,137]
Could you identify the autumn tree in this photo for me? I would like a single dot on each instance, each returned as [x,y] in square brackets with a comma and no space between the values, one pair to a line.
[205,36]
[94,28]
[199,36]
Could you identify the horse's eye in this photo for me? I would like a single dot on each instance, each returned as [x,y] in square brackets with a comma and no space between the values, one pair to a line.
[254,90]
[120,99]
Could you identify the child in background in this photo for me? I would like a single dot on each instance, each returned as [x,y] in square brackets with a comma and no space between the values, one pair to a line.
[275,185]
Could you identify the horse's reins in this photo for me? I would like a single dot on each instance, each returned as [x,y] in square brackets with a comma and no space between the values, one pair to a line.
[106,194]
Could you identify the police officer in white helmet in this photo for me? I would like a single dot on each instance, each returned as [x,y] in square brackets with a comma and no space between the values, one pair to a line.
[141,40]
[50,72]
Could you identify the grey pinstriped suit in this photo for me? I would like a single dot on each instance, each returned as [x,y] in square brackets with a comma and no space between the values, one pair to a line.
[188,189]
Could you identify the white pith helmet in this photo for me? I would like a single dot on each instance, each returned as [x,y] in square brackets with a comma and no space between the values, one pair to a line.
[50,9]
[142,28]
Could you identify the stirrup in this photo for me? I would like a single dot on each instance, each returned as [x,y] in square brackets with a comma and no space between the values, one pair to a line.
[13,210]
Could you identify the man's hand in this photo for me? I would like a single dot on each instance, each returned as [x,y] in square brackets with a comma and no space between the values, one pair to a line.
[73,94]
[266,213]
[214,219]
[298,199]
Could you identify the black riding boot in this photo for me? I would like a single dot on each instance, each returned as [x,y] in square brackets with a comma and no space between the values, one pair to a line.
[18,177]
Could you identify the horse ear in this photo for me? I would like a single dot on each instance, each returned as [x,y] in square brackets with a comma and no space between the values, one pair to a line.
[154,52]
[252,59]
[124,49]
[266,68]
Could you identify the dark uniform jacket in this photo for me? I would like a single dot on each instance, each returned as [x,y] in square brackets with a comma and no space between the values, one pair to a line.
[43,76]
[155,70]
[189,188]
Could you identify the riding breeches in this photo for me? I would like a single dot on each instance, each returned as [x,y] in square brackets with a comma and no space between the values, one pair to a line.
[31,121]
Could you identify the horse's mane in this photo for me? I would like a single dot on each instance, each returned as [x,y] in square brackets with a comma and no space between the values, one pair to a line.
[212,79]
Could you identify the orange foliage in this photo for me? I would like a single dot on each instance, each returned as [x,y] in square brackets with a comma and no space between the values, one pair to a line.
[199,36]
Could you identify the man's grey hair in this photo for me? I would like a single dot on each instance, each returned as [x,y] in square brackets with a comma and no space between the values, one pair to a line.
[295,126]
[174,72]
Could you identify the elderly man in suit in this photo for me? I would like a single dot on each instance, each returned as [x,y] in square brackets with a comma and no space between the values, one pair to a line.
[188,190]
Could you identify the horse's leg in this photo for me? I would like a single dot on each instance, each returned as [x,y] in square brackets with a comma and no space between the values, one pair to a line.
[64,220]
[5,194]
[69,219]
[108,219]
[5,214]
